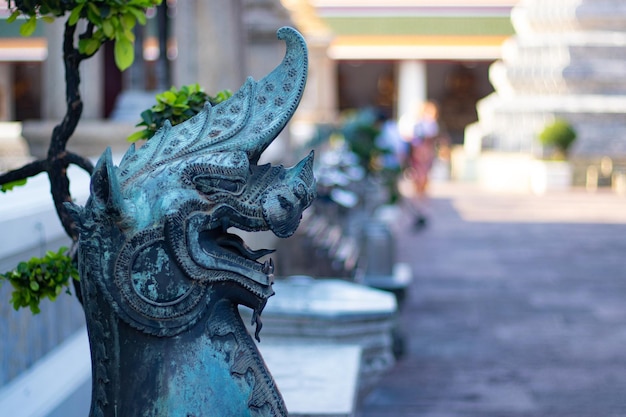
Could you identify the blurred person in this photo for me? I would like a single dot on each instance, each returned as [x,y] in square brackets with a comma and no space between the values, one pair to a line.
[423,136]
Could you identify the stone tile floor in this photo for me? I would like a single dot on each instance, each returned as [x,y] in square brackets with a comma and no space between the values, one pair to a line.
[517,309]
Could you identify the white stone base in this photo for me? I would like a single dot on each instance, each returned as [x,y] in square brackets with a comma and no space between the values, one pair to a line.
[504,172]
[550,176]
[315,380]
[512,172]
[330,311]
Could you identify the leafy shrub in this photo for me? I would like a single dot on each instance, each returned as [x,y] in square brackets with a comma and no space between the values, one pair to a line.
[176,106]
[40,278]
[107,19]
[559,135]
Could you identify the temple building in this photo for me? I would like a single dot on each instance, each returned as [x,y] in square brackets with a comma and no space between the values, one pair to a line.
[396,54]
[566,61]
[390,55]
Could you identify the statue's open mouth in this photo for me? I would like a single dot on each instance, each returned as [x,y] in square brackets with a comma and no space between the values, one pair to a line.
[233,255]
[229,252]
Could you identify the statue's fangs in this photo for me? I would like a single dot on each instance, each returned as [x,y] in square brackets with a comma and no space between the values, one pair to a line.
[162,278]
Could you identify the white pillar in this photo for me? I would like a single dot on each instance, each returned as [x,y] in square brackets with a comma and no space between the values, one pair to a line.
[6,91]
[53,80]
[411,86]
[209,36]
[91,73]
[91,86]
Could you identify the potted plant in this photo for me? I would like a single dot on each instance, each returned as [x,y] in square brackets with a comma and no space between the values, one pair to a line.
[554,172]
[558,136]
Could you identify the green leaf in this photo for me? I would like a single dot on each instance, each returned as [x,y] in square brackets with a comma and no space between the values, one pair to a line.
[168,97]
[28,27]
[47,19]
[124,53]
[128,34]
[115,21]
[88,46]
[137,136]
[221,96]
[22,268]
[10,185]
[128,21]
[75,15]
[105,11]
[92,46]
[34,306]
[147,116]
[13,16]
[34,285]
[93,8]
[139,14]
[108,29]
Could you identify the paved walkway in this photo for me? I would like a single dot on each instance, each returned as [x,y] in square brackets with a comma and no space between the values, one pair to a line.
[518,309]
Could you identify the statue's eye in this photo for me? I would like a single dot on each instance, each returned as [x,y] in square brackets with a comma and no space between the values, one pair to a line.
[285,204]
[210,185]
[299,191]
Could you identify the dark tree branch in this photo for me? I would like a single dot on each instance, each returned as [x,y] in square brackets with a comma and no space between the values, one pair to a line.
[80,161]
[27,171]
[88,33]
[57,155]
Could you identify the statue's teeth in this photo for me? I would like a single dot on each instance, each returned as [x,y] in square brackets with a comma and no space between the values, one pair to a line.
[268,267]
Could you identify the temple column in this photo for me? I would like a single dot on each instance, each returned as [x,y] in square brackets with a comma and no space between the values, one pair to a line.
[210,44]
[411,86]
[91,73]
[6,91]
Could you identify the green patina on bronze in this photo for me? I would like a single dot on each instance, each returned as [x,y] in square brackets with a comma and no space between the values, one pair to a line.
[162,277]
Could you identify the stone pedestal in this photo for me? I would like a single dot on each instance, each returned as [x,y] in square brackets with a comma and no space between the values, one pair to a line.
[550,176]
[322,311]
[315,380]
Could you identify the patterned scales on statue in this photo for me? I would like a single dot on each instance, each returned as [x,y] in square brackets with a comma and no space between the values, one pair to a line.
[162,278]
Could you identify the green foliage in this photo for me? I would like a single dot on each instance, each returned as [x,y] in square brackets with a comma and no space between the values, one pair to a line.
[360,131]
[11,185]
[559,135]
[176,106]
[110,19]
[40,278]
